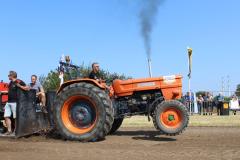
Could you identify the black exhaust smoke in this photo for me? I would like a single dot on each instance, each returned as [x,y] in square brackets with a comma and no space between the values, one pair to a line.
[147,18]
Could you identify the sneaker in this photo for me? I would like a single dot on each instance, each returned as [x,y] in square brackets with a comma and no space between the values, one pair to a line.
[12,134]
[44,110]
[7,133]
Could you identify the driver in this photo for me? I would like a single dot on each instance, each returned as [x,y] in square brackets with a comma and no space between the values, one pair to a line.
[95,73]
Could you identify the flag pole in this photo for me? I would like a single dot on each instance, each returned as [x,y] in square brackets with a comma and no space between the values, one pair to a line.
[189,78]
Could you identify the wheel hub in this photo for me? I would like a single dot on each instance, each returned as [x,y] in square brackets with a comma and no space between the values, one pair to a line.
[171,117]
[82,114]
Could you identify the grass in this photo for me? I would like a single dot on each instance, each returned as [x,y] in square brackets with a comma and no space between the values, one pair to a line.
[214,120]
[196,121]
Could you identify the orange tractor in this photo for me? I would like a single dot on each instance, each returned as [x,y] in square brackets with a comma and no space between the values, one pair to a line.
[3,100]
[85,110]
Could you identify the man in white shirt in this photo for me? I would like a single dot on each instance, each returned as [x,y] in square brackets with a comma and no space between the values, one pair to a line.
[234,104]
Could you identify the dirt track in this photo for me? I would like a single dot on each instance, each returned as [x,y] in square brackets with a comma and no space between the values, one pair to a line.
[131,143]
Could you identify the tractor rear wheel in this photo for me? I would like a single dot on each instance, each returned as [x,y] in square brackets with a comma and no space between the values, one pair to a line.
[170,117]
[116,125]
[83,112]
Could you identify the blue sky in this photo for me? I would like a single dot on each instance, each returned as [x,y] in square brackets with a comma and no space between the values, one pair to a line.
[34,34]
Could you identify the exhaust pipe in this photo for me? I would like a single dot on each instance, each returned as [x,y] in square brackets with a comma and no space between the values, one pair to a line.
[150,67]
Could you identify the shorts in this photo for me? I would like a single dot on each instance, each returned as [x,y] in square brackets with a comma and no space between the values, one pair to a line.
[10,108]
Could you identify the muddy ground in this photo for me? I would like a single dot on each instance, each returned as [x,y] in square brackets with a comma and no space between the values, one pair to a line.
[130,143]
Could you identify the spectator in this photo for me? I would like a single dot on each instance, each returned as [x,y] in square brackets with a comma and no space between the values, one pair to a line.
[189,102]
[11,105]
[234,104]
[35,85]
[192,102]
[210,104]
[205,103]
[219,103]
[200,101]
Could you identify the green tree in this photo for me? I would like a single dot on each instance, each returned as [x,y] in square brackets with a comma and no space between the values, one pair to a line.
[203,93]
[238,90]
[51,82]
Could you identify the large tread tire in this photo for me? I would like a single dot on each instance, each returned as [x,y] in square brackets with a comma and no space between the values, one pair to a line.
[172,104]
[116,125]
[104,113]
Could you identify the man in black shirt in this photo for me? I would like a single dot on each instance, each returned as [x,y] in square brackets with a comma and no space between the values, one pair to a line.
[10,107]
[95,72]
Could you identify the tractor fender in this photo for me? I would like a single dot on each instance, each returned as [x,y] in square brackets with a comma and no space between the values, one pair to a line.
[87,80]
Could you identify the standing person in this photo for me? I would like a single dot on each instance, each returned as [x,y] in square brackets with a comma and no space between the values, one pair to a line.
[35,85]
[189,102]
[210,103]
[200,104]
[219,103]
[11,105]
[205,103]
[192,102]
[234,104]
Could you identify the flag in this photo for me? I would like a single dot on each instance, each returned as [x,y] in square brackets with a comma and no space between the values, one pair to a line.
[190,62]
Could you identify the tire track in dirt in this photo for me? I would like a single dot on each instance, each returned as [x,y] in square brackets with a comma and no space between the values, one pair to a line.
[131,143]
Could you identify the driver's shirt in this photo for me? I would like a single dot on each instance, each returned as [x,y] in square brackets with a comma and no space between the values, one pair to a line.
[94,75]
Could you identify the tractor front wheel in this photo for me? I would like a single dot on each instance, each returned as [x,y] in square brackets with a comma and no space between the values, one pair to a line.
[170,117]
